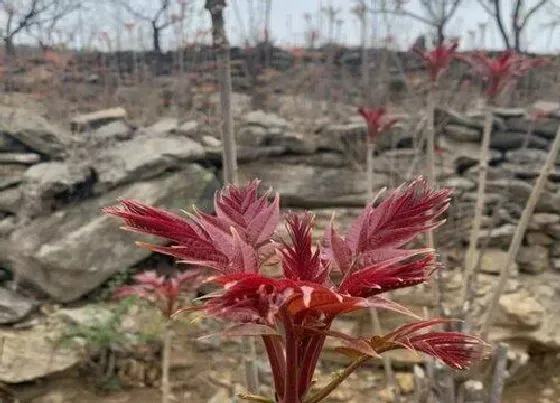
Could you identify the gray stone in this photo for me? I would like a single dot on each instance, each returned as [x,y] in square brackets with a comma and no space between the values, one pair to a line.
[556,264]
[34,353]
[462,133]
[505,141]
[541,128]
[520,309]
[527,157]
[498,237]
[541,221]
[97,119]
[112,132]
[34,131]
[318,159]
[510,113]
[553,230]
[11,175]
[252,136]
[533,259]
[9,144]
[143,157]
[7,226]
[261,118]
[296,143]
[538,238]
[550,107]
[19,158]
[10,200]
[44,183]
[189,128]
[14,307]
[312,186]
[76,249]
[163,126]
[209,141]
[493,260]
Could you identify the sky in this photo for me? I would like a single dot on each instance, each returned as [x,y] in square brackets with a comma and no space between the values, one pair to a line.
[288,24]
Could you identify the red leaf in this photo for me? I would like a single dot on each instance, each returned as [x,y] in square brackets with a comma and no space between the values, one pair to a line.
[406,212]
[389,275]
[337,249]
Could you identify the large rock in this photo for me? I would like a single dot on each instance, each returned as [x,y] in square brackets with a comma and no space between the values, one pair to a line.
[520,309]
[505,141]
[97,119]
[74,250]
[312,186]
[10,200]
[11,175]
[34,353]
[267,120]
[14,307]
[34,131]
[143,157]
[533,259]
[493,260]
[48,185]
[19,158]
[111,133]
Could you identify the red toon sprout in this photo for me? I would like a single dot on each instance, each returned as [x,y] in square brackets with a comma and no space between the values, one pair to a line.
[501,71]
[438,59]
[377,120]
[293,312]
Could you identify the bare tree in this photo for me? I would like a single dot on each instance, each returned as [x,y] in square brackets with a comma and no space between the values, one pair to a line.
[435,13]
[521,12]
[25,15]
[158,16]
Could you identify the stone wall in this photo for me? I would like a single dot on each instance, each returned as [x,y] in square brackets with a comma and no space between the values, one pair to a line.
[55,181]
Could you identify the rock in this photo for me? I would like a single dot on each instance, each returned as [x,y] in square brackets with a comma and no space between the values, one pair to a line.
[541,221]
[48,185]
[537,238]
[528,156]
[252,136]
[76,249]
[504,141]
[14,307]
[498,237]
[34,132]
[189,128]
[7,225]
[318,159]
[553,230]
[163,126]
[209,141]
[493,260]
[143,157]
[296,143]
[462,133]
[556,264]
[11,175]
[550,107]
[267,120]
[97,119]
[112,132]
[520,309]
[221,396]
[34,353]
[462,156]
[245,154]
[510,113]
[405,381]
[19,158]
[309,186]
[542,128]
[444,117]
[9,144]
[533,259]
[10,200]
[513,189]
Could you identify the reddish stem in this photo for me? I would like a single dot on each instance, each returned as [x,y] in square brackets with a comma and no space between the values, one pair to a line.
[291,385]
[310,359]
[277,362]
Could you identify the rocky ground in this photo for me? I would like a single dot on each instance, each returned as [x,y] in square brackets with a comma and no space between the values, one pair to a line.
[58,249]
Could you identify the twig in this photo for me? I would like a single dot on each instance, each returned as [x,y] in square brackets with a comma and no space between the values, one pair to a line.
[500,374]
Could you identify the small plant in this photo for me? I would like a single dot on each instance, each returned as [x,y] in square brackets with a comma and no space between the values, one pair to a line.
[100,340]
[293,312]
[108,289]
[164,292]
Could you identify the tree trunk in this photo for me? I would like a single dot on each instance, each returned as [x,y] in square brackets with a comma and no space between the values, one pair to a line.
[9,45]
[440,35]
[156,31]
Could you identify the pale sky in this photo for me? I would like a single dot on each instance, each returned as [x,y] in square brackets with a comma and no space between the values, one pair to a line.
[288,24]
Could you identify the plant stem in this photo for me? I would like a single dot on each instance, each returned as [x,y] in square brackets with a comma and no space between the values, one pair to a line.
[323,393]
[470,261]
[500,373]
[291,383]
[430,149]
[277,362]
[520,232]
[165,389]
[374,315]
